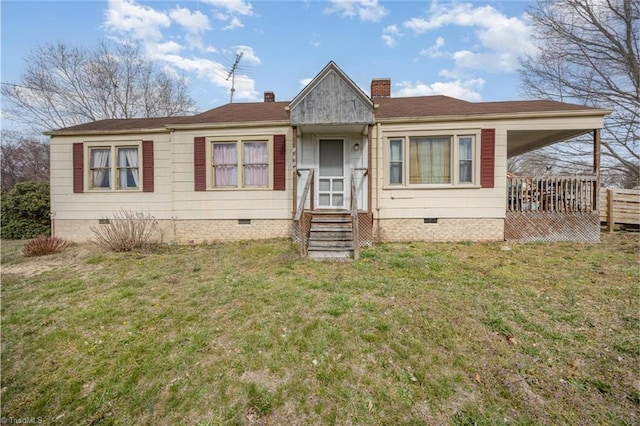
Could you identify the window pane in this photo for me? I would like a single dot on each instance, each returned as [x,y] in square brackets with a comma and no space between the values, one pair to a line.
[395,176]
[337,185]
[324,184]
[331,157]
[430,160]
[324,199]
[128,167]
[395,161]
[395,149]
[466,159]
[100,164]
[225,164]
[465,148]
[256,167]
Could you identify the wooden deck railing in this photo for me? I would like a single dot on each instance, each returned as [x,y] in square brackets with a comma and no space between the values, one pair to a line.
[354,218]
[556,194]
[354,208]
[299,216]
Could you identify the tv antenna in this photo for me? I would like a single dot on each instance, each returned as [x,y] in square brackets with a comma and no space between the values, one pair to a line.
[232,75]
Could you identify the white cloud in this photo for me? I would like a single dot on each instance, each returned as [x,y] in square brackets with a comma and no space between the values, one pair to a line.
[195,22]
[389,34]
[502,39]
[216,73]
[461,89]
[234,23]
[434,50]
[366,10]
[305,81]
[167,48]
[228,10]
[142,22]
[238,7]
[248,54]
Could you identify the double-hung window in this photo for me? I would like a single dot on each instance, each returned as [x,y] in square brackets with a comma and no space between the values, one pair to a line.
[465,159]
[114,167]
[432,160]
[396,161]
[225,165]
[240,164]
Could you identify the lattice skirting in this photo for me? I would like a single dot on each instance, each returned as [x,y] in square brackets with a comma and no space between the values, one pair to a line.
[305,224]
[547,226]
[365,227]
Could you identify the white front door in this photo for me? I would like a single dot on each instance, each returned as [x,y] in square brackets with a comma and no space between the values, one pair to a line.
[331,183]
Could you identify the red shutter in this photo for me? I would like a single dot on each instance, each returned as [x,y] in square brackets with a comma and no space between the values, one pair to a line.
[147,166]
[279,162]
[199,164]
[487,157]
[78,167]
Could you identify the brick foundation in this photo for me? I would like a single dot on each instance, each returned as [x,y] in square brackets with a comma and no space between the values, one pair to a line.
[201,231]
[443,230]
[186,231]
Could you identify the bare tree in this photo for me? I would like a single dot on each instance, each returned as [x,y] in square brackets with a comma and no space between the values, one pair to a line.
[23,158]
[64,86]
[589,53]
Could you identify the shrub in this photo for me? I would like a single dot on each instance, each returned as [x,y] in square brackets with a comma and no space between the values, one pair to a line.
[126,231]
[42,246]
[25,211]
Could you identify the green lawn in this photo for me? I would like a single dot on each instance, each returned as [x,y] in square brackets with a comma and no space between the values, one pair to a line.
[248,333]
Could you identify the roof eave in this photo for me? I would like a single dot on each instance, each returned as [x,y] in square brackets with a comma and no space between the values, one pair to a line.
[105,132]
[227,124]
[497,116]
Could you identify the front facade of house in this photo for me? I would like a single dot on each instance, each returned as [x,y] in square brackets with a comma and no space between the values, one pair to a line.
[425,168]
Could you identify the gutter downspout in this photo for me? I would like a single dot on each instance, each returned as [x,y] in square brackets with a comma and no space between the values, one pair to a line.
[174,219]
[378,186]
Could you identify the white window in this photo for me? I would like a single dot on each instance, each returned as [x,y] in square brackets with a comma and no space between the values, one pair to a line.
[395,162]
[104,176]
[240,164]
[465,159]
[225,165]
[432,160]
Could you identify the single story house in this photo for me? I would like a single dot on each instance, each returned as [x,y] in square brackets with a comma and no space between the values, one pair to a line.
[334,168]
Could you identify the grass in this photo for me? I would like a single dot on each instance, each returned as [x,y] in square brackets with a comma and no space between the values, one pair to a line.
[248,333]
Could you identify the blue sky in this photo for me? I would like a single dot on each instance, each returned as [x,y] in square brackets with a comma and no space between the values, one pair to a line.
[464,49]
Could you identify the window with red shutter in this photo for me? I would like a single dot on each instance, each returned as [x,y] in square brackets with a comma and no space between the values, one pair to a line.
[279,162]
[78,167]
[199,164]
[487,157]
[147,166]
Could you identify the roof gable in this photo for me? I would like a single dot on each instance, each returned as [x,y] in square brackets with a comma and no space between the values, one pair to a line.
[331,98]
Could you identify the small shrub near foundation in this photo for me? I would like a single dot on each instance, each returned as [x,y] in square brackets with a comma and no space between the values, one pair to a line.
[125,231]
[43,246]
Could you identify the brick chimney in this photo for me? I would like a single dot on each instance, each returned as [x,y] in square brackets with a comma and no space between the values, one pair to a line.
[269,97]
[380,88]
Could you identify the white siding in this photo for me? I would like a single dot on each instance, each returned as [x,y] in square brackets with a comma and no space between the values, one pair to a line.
[391,202]
[226,203]
[65,204]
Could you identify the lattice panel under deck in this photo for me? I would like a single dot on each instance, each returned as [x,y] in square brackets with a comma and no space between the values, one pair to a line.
[546,226]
